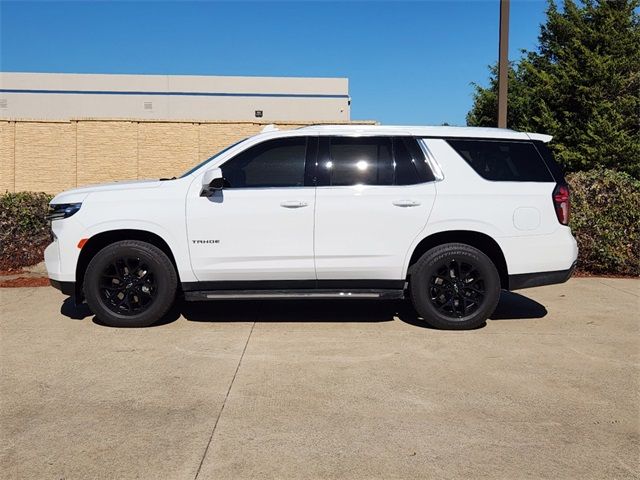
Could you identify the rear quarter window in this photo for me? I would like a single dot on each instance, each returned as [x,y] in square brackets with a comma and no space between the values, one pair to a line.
[503,161]
[553,166]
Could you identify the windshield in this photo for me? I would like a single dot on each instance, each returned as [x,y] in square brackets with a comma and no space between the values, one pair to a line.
[189,172]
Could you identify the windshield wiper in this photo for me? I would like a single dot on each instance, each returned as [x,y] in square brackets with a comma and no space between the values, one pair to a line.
[165,179]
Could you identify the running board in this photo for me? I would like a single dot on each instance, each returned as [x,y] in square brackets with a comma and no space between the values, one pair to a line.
[203,295]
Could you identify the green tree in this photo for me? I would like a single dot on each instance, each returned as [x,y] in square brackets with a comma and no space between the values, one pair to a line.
[581,85]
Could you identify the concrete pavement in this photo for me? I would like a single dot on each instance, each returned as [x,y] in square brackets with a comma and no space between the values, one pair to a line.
[548,389]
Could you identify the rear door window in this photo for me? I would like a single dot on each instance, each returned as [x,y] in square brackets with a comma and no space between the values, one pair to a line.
[382,161]
[359,161]
[505,161]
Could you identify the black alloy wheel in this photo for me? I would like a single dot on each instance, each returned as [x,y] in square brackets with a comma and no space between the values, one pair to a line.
[128,286]
[130,283]
[457,288]
[454,286]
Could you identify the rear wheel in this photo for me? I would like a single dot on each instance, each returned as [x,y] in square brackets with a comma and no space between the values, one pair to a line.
[455,286]
[130,284]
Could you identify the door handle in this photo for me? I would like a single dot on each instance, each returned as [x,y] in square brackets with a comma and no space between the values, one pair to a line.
[293,204]
[406,203]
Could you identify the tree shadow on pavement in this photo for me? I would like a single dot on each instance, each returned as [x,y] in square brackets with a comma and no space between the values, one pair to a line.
[512,306]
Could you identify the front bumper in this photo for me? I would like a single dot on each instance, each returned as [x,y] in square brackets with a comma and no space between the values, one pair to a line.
[67,288]
[59,280]
[528,280]
[61,256]
[52,259]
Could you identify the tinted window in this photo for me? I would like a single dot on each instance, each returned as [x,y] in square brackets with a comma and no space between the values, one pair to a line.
[410,164]
[503,160]
[405,171]
[275,163]
[419,160]
[554,167]
[360,161]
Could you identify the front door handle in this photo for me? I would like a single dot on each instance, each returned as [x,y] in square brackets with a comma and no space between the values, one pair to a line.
[293,204]
[406,203]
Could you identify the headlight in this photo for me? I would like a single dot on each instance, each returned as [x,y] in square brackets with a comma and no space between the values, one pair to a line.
[62,210]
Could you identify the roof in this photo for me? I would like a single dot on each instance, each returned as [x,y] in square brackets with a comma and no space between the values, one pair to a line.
[425,131]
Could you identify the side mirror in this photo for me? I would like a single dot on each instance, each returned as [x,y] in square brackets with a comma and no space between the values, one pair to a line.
[211,181]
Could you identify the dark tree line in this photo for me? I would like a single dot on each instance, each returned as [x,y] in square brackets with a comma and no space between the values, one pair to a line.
[581,85]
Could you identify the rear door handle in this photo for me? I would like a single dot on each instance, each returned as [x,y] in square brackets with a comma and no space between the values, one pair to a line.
[406,203]
[293,204]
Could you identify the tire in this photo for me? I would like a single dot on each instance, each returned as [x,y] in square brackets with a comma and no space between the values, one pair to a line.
[130,284]
[455,287]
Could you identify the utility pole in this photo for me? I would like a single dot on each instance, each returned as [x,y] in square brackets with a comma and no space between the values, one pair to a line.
[503,64]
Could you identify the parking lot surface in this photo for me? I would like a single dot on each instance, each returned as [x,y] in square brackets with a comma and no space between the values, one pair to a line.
[313,390]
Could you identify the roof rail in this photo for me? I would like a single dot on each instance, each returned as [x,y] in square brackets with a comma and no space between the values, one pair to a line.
[332,126]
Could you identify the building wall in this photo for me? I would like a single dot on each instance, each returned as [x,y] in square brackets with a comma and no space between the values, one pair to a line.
[64,96]
[52,156]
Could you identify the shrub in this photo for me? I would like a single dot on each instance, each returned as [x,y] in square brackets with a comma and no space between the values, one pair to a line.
[606,221]
[24,233]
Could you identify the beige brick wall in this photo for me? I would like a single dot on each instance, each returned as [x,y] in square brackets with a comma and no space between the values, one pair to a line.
[7,159]
[166,149]
[213,137]
[107,151]
[55,156]
[45,156]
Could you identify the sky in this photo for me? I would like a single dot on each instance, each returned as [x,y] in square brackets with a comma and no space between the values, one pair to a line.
[407,62]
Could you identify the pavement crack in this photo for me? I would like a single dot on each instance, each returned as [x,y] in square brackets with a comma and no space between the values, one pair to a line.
[224,402]
[616,288]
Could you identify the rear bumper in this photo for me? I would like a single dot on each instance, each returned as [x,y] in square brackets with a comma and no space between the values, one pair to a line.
[528,280]
[539,253]
[67,288]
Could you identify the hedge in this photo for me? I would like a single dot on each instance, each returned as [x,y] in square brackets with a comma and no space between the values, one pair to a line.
[24,233]
[605,219]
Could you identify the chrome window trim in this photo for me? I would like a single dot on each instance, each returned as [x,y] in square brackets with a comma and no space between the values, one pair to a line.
[228,189]
[377,186]
[431,160]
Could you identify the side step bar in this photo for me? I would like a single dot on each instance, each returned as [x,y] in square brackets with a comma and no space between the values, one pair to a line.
[204,295]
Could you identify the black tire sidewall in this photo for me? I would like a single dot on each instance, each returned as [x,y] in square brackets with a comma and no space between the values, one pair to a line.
[425,268]
[160,265]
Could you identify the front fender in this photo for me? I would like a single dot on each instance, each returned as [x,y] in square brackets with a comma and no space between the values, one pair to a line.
[176,243]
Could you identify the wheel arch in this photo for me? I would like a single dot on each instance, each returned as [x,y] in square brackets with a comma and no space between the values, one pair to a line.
[483,242]
[97,242]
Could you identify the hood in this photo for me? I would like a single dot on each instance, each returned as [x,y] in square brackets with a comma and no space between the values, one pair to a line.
[79,194]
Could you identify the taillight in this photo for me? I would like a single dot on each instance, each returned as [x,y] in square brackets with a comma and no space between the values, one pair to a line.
[561,203]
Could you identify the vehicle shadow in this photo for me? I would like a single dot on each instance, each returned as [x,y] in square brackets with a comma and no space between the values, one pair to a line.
[75,312]
[273,311]
[512,306]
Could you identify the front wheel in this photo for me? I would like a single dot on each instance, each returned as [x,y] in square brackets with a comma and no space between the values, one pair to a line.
[455,287]
[130,284]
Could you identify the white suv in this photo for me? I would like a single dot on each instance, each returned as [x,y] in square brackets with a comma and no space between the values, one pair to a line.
[448,216]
